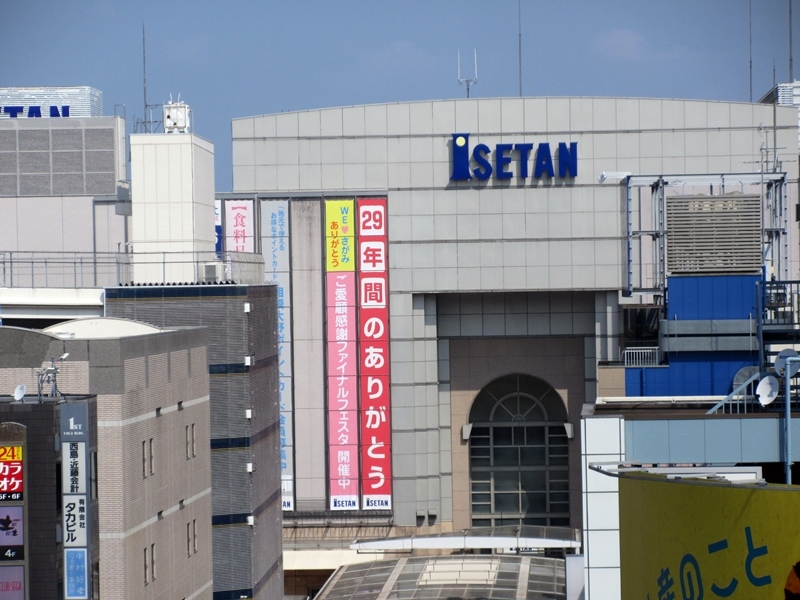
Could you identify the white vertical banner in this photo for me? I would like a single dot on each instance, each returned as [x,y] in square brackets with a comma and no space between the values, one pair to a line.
[275,248]
[239,225]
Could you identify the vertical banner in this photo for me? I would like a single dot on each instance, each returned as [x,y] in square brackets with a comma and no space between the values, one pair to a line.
[218,228]
[239,226]
[342,359]
[74,500]
[373,344]
[275,247]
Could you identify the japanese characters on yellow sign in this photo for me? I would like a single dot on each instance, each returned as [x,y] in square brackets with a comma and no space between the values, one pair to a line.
[692,539]
[340,250]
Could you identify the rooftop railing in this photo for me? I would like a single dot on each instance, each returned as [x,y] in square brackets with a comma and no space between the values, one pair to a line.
[111,269]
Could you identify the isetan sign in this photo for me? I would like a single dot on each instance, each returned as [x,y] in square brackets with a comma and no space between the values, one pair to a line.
[32,112]
[506,161]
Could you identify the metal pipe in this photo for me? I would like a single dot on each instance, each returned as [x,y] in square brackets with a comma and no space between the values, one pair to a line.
[787,438]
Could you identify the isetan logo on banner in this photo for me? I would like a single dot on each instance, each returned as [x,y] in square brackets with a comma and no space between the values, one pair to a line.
[373,342]
[506,161]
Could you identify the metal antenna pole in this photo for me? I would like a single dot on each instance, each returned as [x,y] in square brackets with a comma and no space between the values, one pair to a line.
[144,72]
[519,21]
[791,69]
[750,22]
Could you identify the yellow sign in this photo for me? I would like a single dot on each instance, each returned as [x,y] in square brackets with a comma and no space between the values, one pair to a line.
[10,453]
[695,540]
[340,240]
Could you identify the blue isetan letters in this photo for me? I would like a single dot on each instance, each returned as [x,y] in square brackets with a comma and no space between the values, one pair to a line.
[34,112]
[511,160]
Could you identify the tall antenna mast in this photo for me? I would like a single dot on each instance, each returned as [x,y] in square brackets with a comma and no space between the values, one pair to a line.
[468,82]
[750,24]
[791,69]
[519,21]
[144,71]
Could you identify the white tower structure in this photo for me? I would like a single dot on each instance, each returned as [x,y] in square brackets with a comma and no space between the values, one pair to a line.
[172,180]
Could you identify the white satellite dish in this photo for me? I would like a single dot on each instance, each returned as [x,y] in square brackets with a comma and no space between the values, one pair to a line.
[767,390]
[780,362]
[19,392]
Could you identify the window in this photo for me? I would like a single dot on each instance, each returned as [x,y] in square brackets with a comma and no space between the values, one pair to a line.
[188,539]
[144,458]
[191,442]
[146,565]
[152,562]
[152,470]
[194,536]
[518,454]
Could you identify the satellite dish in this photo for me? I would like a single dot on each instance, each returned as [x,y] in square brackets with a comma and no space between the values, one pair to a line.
[19,392]
[767,390]
[780,362]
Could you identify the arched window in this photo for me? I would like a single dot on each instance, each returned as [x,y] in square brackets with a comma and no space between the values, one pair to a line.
[519,471]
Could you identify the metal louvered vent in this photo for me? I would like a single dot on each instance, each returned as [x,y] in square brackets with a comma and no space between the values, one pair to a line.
[713,234]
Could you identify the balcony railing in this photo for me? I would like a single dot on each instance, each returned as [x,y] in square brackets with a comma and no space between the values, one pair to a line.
[641,357]
[110,269]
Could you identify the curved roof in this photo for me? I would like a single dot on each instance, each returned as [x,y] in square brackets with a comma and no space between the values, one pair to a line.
[447,577]
[94,328]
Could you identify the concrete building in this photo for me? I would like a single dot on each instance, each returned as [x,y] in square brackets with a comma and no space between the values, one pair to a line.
[144,473]
[55,269]
[243,367]
[521,241]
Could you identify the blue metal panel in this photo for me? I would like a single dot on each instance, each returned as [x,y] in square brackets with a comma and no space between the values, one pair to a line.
[686,442]
[723,441]
[712,297]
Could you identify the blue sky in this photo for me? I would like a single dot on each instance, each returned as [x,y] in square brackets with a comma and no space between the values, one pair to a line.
[248,57]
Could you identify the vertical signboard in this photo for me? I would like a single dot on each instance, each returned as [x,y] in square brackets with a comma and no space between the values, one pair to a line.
[13,501]
[12,483]
[342,367]
[74,501]
[373,349]
[275,247]
[239,225]
[12,582]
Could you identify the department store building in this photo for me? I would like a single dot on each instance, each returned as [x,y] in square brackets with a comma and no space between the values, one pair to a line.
[458,278]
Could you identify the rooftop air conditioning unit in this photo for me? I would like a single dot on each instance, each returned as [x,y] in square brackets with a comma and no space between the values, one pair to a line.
[213,271]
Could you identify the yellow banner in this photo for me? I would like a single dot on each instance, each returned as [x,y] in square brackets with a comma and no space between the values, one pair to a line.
[340,239]
[691,539]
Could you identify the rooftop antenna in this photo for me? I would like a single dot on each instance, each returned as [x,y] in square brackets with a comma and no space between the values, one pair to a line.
[144,72]
[791,69]
[468,82]
[519,22]
[750,26]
